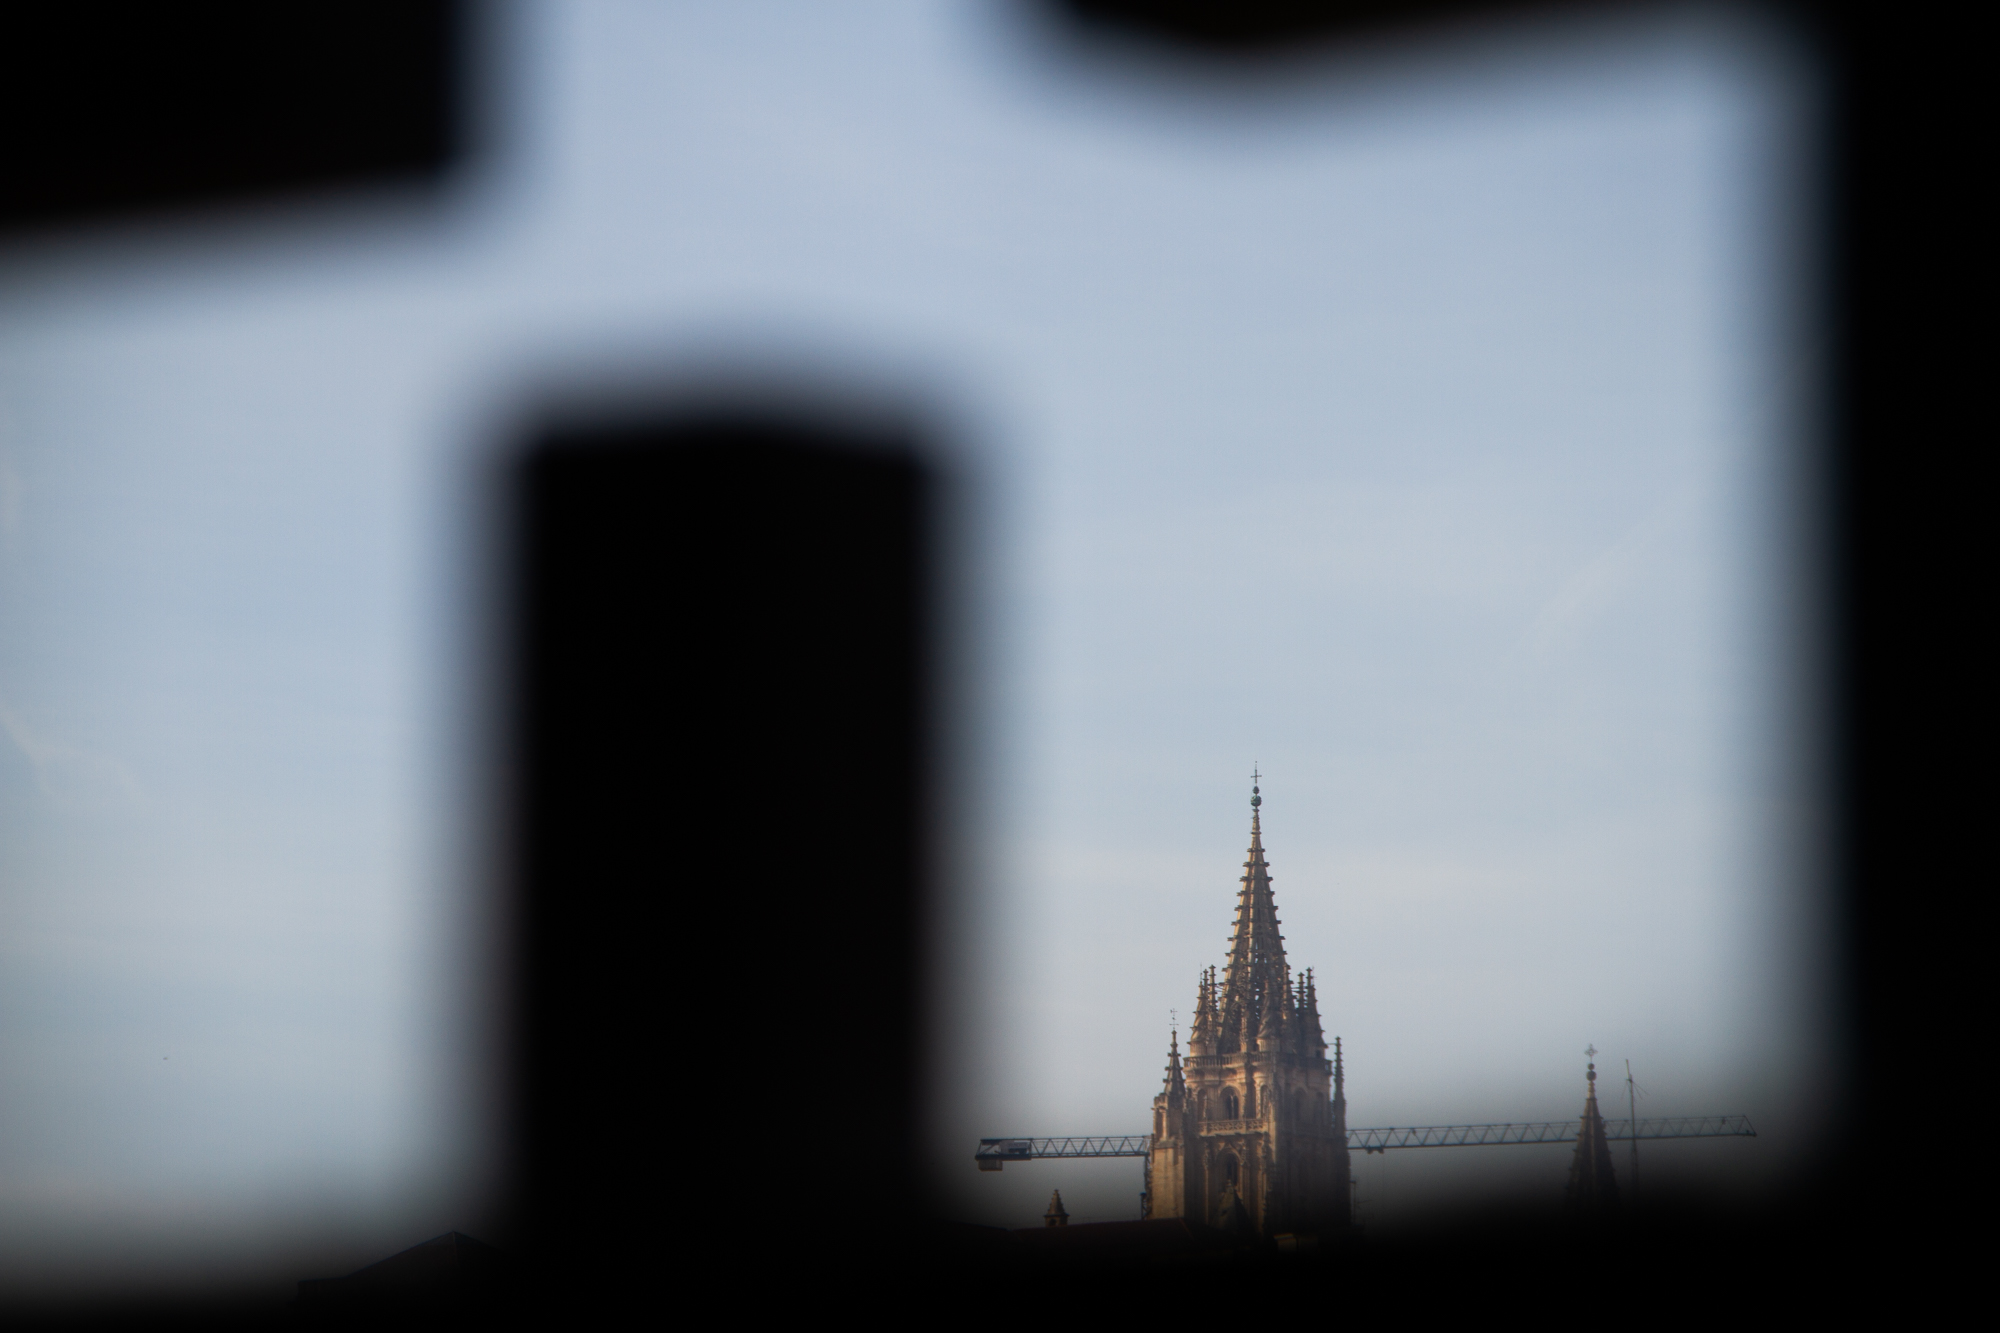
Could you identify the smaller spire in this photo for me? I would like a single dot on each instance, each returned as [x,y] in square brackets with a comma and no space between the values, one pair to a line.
[1201,1036]
[1310,1027]
[1271,1021]
[1057,1215]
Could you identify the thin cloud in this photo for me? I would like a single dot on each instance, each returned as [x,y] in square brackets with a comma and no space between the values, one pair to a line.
[1601,581]
[59,767]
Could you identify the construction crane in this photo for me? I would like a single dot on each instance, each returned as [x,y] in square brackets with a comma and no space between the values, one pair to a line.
[994,1153]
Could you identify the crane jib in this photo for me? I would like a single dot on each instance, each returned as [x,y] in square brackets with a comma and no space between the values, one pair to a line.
[993,1152]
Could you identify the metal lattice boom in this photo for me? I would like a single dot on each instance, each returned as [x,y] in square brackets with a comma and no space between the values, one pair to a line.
[993,1152]
[1548,1131]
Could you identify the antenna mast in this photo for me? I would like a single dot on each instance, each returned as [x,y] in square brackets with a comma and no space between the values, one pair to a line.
[1632,1101]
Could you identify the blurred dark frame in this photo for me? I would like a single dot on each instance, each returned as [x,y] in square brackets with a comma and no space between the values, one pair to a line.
[133,112]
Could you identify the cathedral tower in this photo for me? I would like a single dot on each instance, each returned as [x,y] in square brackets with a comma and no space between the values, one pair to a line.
[1253,1124]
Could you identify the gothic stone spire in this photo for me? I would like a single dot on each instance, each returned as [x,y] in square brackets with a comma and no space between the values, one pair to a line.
[1254,1140]
[1592,1188]
[1254,978]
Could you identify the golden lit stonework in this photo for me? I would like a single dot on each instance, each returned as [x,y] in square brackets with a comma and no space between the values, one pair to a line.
[1250,1131]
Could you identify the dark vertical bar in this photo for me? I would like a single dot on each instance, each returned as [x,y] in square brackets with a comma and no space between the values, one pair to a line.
[1909,239]
[722,695]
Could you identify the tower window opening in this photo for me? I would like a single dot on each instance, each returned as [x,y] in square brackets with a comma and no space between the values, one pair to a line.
[1229,1169]
[1230,1112]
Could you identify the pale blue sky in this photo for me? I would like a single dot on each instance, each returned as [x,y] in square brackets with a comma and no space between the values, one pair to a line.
[1416,426]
